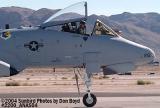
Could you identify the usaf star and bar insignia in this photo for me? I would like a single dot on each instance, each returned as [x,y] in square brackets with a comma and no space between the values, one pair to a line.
[33,45]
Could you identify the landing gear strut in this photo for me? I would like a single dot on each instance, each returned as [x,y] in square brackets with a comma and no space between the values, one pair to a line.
[89,99]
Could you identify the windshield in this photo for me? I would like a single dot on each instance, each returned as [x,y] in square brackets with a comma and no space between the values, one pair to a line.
[102,29]
[74,12]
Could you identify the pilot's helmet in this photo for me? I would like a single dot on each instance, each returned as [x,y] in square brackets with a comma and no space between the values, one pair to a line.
[65,24]
[99,24]
[73,23]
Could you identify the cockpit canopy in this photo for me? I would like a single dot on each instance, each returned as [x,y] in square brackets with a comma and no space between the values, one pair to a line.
[73,13]
[69,19]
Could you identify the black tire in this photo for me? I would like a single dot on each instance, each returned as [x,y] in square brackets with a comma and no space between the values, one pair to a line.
[86,103]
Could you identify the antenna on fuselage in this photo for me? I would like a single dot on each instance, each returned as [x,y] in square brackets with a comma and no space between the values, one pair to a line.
[7,26]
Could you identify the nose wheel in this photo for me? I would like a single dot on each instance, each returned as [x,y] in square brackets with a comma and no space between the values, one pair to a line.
[89,100]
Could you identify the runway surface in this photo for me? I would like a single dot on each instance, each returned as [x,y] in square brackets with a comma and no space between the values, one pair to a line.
[104,100]
[74,94]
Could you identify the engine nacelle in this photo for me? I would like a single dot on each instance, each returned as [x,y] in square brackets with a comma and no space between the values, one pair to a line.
[118,68]
[6,70]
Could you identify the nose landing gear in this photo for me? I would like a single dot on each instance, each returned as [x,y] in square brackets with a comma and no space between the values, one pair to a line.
[89,99]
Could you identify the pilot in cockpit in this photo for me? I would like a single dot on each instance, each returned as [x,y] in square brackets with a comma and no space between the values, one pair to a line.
[82,28]
[73,27]
[66,28]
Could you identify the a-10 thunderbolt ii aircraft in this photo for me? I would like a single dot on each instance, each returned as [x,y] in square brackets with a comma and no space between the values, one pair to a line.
[66,46]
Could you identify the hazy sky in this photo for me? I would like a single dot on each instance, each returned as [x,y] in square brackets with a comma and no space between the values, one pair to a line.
[100,7]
